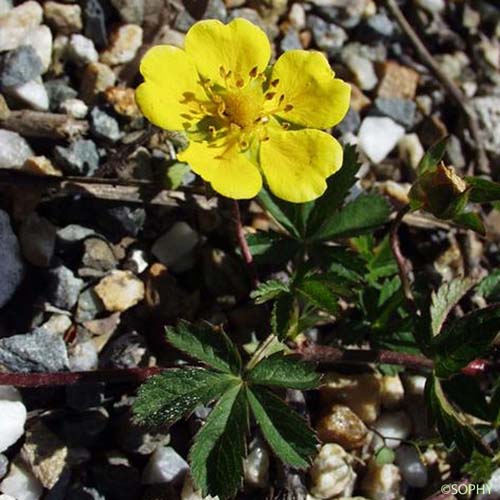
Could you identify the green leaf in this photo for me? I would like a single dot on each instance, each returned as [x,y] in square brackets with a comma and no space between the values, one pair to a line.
[494,408]
[451,423]
[176,173]
[165,398]
[479,467]
[466,393]
[316,292]
[465,339]
[470,220]
[489,287]
[339,185]
[360,216]
[284,316]
[483,190]
[284,370]
[269,290]
[285,213]
[446,298]
[271,247]
[288,435]
[432,157]
[207,344]
[384,456]
[216,456]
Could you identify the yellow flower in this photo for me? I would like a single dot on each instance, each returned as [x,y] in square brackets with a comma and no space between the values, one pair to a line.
[245,120]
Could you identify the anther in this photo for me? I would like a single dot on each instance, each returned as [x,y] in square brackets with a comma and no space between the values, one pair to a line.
[253,72]
[270,95]
[240,82]
[282,97]
[288,107]
[275,82]
[222,72]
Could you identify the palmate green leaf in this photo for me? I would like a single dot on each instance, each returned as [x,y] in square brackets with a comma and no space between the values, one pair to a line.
[167,397]
[451,423]
[207,344]
[317,292]
[465,339]
[339,185]
[285,213]
[445,299]
[283,370]
[432,157]
[284,316]
[216,456]
[289,436]
[483,190]
[360,216]
[269,290]
[489,287]
[271,247]
[466,393]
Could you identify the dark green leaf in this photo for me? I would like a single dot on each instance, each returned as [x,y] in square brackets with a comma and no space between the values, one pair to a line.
[432,157]
[470,220]
[445,299]
[339,185]
[272,248]
[284,212]
[451,423]
[269,290]
[217,453]
[284,316]
[465,339]
[317,293]
[479,467]
[362,215]
[489,288]
[340,261]
[288,435]
[284,370]
[483,190]
[466,393]
[165,398]
[207,344]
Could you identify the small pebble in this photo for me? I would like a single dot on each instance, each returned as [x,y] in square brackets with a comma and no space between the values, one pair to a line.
[378,136]
[19,66]
[95,23]
[40,165]
[40,38]
[381,482]
[64,287]
[392,391]
[33,94]
[256,465]
[165,466]
[14,150]
[412,469]
[123,46]
[433,6]
[81,50]
[37,237]
[363,71]
[96,78]
[62,17]
[21,484]
[120,290]
[411,150]
[104,126]
[17,23]
[75,108]
[394,427]
[400,110]
[80,158]
[130,11]
[12,417]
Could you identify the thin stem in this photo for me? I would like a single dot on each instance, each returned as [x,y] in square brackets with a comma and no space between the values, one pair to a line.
[403,268]
[242,242]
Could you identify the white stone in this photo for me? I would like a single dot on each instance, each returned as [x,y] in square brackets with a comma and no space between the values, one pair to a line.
[74,107]
[410,150]
[394,427]
[392,391]
[381,482]
[125,42]
[297,16]
[57,324]
[415,384]
[33,94]
[38,239]
[256,465]
[176,245]
[6,497]
[14,150]
[412,469]
[81,50]
[137,259]
[17,22]
[363,70]
[83,356]
[378,136]
[40,38]
[165,466]
[5,6]
[120,290]
[434,6]
[21,484]
[331,473]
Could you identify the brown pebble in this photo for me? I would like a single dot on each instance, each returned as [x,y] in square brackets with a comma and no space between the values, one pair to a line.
[397,81]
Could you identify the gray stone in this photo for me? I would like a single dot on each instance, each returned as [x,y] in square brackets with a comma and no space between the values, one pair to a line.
[411,467]
[39,351]
[11,263]
[378,26]
[32,94]
[433,6]
[38,237]
[19,66]
[165,466]
[216,9]
[59,91]
[328,36]
[104,126]
[350,123]
[4,465]
[455,153]
[80,158]
[291,40]
[74,233]
[95,23]
[130,11]
[121,220]
[400,110]
[81,50]
[89,305]
[64,287]
[83,354]
[128,351]
[14,150]
[488,110]
[98,255]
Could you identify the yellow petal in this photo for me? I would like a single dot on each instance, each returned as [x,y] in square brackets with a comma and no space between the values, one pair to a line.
[171,83]
[319,99]
[296,163]
[230,173]
[239,47]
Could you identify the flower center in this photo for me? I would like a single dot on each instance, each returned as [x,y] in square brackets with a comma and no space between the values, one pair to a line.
[243,107]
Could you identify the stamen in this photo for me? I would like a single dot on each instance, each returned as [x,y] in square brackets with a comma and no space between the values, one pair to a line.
[222,72]
[275,82]
[282,97]
[240,82]
[253,72]
[270,95]
[288,107]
